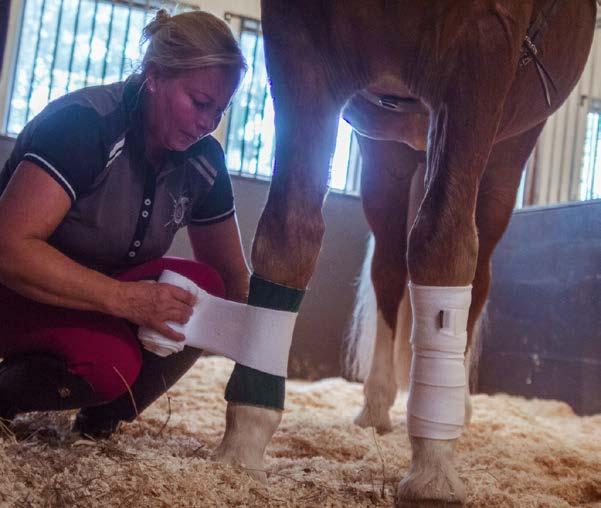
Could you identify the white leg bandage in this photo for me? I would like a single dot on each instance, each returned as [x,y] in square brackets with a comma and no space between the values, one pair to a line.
[436,404]
[256,337]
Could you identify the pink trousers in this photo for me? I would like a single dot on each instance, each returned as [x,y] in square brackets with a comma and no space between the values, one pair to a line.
[102,349]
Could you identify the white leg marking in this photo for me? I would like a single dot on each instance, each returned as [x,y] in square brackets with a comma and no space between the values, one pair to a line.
[248,430]
[432,478]
[380,386]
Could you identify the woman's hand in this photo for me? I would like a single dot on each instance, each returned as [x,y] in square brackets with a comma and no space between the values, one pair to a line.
[151,304]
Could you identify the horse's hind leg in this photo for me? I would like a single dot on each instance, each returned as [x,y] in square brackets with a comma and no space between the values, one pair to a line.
[496,201]
[386,177]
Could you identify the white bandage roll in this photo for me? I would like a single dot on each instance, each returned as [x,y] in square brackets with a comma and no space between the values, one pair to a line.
[436,404]
[252,336]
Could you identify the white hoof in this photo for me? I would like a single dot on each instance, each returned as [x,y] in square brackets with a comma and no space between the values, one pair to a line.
[248,430]
[432,480]
[374,416]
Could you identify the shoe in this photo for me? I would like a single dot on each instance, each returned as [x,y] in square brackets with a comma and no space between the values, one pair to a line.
[39,382]
[156,377]
[95,422]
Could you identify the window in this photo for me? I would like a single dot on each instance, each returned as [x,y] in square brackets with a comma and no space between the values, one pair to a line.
[590,175]
[68,44]
[250,135]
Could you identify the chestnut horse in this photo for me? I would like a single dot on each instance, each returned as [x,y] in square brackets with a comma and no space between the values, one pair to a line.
[460,89]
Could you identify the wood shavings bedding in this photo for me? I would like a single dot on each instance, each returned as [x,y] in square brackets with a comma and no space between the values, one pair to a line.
[517,453]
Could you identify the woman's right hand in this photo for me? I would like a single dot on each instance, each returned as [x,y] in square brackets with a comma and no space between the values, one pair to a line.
[151,304]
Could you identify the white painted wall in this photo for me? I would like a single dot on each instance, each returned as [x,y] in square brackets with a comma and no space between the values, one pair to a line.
[560,147]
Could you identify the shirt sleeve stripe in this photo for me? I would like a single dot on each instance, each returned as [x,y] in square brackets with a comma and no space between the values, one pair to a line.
[201,169]
[49,167]
[119,144]
[113,158]
[216,218]
[208,166]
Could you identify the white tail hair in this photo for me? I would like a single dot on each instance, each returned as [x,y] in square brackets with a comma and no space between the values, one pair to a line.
[361,338]
[362,333]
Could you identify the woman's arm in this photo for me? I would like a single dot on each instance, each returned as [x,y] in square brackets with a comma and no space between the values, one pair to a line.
[219,246]
[31,208]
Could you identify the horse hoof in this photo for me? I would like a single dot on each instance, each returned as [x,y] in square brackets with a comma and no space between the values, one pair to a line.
[248,430]
[427,503]
[379,419]
[257,472]
[435,490]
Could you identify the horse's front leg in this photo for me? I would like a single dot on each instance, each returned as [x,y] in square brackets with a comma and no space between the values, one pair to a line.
[286,245]
[442,259]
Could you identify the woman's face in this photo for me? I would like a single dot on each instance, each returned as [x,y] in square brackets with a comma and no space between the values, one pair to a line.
[183,109]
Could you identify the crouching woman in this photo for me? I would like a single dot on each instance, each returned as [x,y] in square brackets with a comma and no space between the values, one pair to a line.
[90,200]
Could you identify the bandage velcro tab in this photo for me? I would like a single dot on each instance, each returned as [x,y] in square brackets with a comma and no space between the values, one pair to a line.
[454,320]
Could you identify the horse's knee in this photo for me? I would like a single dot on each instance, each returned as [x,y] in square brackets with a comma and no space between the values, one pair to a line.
[443,250]
[287,242]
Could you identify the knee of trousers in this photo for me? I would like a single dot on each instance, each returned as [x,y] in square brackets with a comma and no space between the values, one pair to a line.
[202,274]
[111,366]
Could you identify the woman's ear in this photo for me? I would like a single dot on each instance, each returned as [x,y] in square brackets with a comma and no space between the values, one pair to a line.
[152,77]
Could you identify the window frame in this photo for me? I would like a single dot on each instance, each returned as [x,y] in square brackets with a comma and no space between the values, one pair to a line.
[353,171]
[593,106]
[16,24]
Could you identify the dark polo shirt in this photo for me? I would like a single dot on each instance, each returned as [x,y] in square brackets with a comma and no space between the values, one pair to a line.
[123,212]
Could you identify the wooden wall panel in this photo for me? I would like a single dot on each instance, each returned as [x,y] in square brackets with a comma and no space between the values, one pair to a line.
[542,335]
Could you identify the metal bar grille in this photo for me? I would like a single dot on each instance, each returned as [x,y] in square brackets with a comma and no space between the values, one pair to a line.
[260,136]
[248,104]
[108,42]
[89,60]
[72,53]
[126,37]
[66,44]
[56,38]
[249,144]
[590,185]
[37,48]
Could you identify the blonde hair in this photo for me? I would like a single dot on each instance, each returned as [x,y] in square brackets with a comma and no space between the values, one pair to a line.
[190,40]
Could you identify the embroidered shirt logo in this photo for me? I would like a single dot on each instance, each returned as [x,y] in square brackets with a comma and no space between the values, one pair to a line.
[181,205]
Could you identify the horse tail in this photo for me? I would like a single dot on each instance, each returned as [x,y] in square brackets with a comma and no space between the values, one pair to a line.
[361,338]
[402,342]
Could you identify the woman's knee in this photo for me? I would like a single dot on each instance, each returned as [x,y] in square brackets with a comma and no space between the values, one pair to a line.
[110,365]
[202,274]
